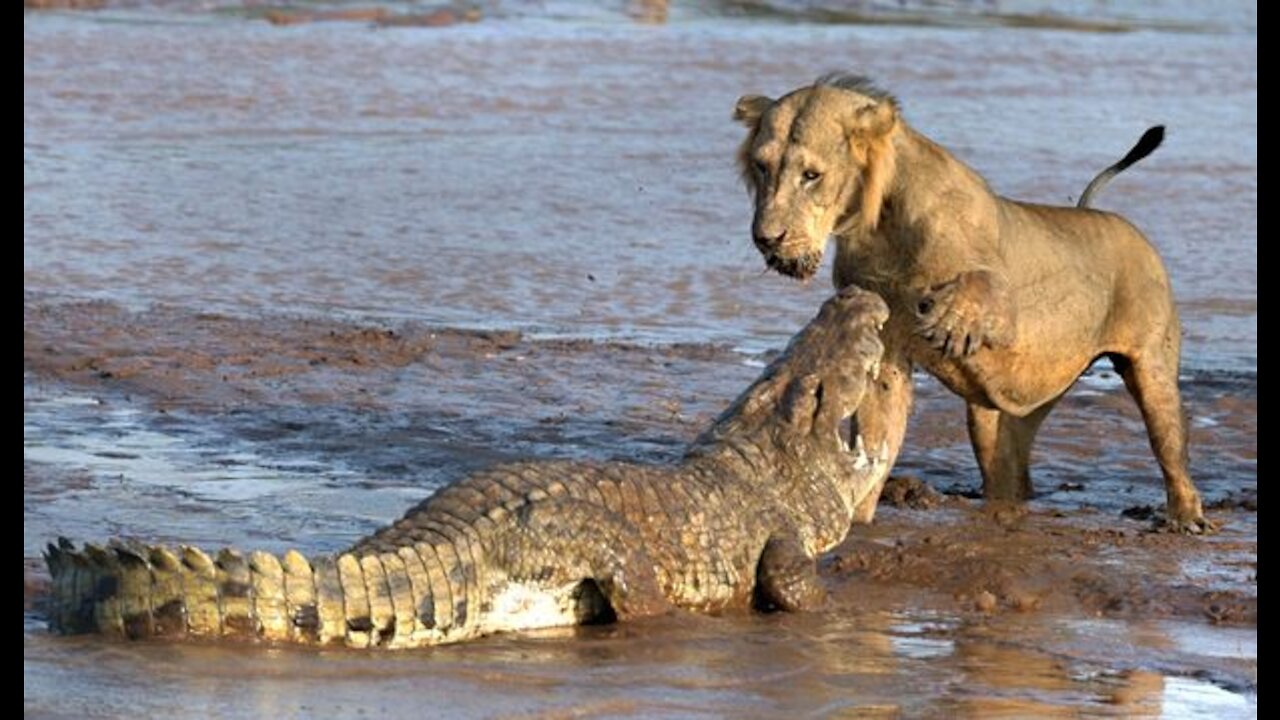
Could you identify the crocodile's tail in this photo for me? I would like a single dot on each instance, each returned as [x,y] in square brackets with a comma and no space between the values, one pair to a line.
[1149,141]
[140,591]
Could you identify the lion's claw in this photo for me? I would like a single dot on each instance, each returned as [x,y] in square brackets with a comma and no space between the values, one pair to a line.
[959,317]
[1196,526]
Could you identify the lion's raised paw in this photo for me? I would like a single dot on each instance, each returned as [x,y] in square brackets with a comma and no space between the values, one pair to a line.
[961,316]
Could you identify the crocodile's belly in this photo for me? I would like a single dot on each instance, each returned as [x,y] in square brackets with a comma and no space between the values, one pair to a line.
[534,605]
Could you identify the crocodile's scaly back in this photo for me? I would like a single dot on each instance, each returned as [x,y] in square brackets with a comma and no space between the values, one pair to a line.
[537,544]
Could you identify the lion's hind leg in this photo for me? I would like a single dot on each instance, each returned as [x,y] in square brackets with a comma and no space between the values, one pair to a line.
[1002,444]
[1152,380]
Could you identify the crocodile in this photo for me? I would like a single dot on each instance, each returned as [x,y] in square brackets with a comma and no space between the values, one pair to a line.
[736,524]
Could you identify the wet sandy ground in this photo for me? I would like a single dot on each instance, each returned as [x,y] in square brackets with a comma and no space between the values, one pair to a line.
[287,432]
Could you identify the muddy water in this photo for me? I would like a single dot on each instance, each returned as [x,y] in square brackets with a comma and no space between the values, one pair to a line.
[241,243]
[333,168]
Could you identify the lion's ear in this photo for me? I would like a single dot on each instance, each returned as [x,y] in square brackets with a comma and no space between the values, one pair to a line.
[874,119]
[749,109]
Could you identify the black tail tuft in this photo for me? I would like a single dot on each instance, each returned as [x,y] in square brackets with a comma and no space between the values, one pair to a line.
[1149,141]
[1147,144]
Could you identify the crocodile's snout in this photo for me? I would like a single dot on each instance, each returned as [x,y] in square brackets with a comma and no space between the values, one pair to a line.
[863,305]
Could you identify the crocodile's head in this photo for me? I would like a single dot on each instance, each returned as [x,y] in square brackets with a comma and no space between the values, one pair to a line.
[792,425]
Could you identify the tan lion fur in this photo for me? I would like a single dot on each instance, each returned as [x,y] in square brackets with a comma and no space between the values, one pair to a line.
[1005,302]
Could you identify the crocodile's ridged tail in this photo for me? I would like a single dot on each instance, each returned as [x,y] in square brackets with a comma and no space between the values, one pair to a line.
[141,591]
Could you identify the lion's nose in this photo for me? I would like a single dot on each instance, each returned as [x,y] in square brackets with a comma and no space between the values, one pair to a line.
[769,244]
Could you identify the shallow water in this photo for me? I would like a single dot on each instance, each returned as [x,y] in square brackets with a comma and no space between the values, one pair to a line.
[557,169]
[817,666]
[332,168]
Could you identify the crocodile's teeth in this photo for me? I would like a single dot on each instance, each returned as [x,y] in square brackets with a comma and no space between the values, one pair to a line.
[860,459]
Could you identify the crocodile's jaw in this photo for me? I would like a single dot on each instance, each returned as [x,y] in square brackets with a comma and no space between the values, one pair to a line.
[868,470]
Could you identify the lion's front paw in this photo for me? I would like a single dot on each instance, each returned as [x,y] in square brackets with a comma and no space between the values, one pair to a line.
[961,316]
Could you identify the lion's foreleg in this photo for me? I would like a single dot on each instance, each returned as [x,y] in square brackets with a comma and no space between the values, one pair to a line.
[1002,444]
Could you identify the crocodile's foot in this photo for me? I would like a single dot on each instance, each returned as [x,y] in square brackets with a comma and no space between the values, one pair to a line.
[788,578]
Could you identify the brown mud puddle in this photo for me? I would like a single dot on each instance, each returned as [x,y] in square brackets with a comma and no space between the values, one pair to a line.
[993,559]
[283,431]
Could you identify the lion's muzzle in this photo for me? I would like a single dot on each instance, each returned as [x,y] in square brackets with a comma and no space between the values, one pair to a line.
[802,267]
[767,244]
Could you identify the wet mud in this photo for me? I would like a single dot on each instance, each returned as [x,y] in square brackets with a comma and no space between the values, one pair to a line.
[1064,604]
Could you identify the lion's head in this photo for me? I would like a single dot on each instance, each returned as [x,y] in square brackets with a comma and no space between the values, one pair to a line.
[818,161]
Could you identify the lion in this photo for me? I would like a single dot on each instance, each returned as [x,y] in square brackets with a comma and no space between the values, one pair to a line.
[1006,302]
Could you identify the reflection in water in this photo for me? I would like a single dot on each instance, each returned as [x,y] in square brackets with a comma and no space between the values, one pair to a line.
[1186,697]
[815,665]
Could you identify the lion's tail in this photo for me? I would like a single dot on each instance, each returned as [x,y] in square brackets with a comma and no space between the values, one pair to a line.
[1149,141]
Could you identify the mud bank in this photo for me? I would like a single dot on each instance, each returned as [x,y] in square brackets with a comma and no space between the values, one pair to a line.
[287,431]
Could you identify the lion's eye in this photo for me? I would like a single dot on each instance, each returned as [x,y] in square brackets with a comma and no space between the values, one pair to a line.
[762,168]
[811,175]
